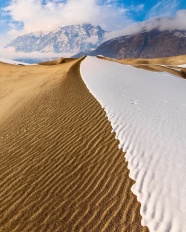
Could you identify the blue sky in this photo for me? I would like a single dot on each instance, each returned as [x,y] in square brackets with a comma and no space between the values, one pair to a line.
[148,6]
[23,16]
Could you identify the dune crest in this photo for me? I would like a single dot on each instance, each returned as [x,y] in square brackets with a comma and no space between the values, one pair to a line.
[58,61]
[60,166]
[174,65]
[147,112]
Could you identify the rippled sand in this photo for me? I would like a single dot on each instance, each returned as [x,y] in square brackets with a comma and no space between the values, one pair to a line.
[60,167]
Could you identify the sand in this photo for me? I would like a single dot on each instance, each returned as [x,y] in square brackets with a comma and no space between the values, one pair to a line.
[172,60]
[165,64]
[60,167]
[147,112]
[16,81]
[58,61]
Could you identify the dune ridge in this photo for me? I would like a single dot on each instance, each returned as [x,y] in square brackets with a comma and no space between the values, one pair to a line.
[60,166]
[173,65]
[58,61]
[147,112]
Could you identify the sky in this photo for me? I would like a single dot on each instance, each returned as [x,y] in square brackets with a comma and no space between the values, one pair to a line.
[19,17]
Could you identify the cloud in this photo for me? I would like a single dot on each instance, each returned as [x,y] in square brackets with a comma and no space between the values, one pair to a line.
[177,22]
[37,16]
[164,8]
[46,15]
[137,8]
[10,53]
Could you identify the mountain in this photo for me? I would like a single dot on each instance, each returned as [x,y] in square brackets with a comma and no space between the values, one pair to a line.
[147,44]
[68,39]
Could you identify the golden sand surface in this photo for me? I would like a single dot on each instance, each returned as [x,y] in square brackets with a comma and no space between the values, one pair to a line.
[15,83]
[165,64]
[60,166]
[58,61]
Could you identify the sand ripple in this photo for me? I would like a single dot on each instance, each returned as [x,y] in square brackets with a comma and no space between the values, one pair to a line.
[60,166]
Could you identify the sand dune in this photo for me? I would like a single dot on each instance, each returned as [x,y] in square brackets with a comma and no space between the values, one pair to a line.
[172,60]
[58,61]
[159,68]
[16,81]
[147,112]
[60,166]
[165,64]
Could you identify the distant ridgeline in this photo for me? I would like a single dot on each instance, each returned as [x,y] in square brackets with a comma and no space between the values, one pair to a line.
[68,39]
[90,40]
[146,44]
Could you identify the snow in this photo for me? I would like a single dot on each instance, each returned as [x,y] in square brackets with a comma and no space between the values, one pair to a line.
[60,38]
[182,66]
[49,48]
[180,34]
[13,62]
[147,111]
[93,39]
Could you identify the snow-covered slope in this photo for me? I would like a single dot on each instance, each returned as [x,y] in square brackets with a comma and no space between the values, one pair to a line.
[12,62]
[69,39]
[144,44]
[147,111]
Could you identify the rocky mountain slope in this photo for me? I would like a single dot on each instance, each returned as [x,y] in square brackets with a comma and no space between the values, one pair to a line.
[68,39]
[146,44]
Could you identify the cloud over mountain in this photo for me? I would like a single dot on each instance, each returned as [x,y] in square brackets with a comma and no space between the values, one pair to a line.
[177,22]
[37,15]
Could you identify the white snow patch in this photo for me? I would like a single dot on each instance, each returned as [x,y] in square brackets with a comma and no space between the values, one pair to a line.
[182,66]
[147,111]
[13,62]
[93,40]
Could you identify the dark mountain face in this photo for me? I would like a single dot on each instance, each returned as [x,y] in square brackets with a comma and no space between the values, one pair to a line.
[144,45]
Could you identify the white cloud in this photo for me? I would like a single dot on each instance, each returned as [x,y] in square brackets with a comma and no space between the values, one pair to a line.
[177,22]
[137,8]
[164,8]
[35,16]
[10,53]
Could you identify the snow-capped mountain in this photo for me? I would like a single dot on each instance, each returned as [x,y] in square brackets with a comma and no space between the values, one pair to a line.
[68,39]
[145,44]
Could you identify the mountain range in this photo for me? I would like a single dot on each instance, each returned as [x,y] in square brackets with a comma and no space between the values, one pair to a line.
[68,39]
[90,40]
[146,44]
